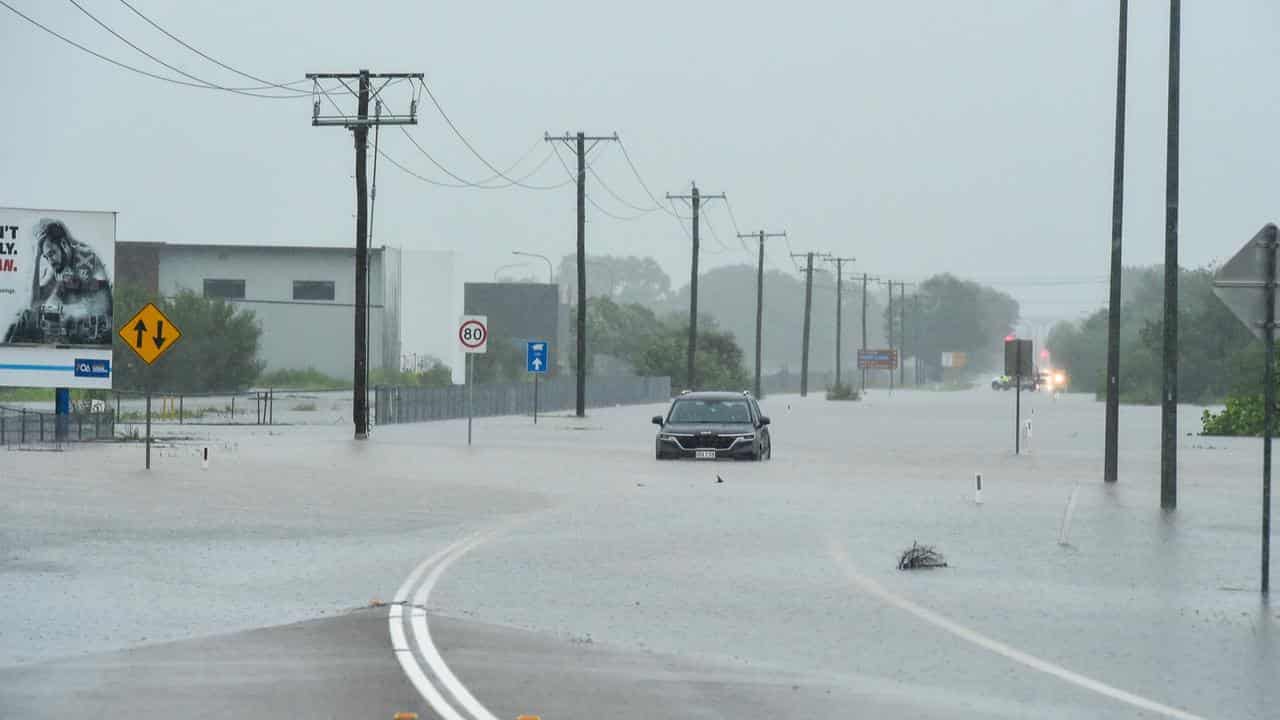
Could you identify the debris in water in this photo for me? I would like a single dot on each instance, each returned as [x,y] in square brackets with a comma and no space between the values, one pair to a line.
[921,556]
[719,479]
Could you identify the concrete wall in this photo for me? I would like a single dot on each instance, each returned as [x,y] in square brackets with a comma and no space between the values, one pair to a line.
[296,334]
[431,302]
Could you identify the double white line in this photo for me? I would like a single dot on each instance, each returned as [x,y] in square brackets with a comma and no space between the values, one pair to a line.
[463,705]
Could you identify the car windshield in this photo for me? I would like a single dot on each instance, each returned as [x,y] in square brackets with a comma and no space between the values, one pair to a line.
[710,411]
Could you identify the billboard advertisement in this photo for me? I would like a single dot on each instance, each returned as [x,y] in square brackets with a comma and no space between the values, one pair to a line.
[57,269]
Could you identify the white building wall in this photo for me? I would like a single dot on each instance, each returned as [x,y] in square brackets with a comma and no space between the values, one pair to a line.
[295,334]
[431,303]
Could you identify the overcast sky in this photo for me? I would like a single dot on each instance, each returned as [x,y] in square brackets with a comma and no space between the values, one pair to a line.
[971,137]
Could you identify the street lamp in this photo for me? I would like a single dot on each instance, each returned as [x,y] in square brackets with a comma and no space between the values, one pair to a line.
[551,275]
[506,267]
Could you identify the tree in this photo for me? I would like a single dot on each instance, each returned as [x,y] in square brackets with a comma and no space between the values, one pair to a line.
[623,279]
[955,315]
[218,350]
[1216,352]
[657,346]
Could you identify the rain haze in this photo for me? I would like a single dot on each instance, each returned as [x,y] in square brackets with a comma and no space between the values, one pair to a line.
[974,138]
[251,467]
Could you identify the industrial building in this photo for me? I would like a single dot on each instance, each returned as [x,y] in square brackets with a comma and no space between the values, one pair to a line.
[302,297]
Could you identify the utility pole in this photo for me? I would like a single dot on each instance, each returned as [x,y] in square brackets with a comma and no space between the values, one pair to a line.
[695,199]
[839,261]
[902,332]
[578,143]
[808,306]
[890,283]
[755,388]
[1169,401]
[916,334]
[865,280]
[1111,453]
[359,126]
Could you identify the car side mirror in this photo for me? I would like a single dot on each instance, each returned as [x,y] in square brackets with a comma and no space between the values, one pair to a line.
[764,421]
[657,419]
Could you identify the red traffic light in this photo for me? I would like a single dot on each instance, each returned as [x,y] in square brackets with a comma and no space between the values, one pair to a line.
[1010,337]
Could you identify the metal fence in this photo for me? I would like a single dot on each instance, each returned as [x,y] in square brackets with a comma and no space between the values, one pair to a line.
[22,427]
[416,404]
[247,407]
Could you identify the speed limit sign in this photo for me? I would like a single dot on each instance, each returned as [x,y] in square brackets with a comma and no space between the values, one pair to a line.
[473,333]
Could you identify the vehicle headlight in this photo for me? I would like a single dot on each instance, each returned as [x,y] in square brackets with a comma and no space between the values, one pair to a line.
[1059,378]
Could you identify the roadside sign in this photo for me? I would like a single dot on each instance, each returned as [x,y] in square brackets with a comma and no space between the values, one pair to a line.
[1018,358]
[92,368]
[954,360]
[535,357]
[473,333]
[1241,282]
[878,359]
[149,333]
[1246,284]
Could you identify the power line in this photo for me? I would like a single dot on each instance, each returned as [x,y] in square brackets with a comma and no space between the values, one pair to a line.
[603,184]
[113,61]
[673,213]
[463,182]
[174,68]
[267,84]
[596,205]
[472,148]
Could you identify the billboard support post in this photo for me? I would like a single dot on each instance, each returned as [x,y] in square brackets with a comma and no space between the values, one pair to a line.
[148,441]
[61,409]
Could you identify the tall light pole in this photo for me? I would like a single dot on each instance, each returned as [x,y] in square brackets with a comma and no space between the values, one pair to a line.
[551,274]
[508,266]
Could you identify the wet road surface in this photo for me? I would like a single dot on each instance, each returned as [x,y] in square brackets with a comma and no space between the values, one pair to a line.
[609,584]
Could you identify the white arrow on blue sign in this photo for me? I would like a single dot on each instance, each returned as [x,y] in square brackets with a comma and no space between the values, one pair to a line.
[535,357]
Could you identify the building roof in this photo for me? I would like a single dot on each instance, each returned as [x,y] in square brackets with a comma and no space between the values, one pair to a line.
[232,247]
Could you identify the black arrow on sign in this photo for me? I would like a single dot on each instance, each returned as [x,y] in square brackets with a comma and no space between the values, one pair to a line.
[140,328]
[159,339]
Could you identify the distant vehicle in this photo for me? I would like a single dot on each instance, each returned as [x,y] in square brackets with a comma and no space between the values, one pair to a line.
[713,425]
[1048,380]
[1008,382]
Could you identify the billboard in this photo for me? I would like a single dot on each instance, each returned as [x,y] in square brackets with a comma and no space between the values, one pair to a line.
[878,359]
[56,277]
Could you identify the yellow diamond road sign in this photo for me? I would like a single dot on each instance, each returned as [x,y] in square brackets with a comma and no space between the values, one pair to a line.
[150,333]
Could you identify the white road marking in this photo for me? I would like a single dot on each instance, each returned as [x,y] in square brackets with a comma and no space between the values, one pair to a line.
[885,595]
[418,620]
[404,654]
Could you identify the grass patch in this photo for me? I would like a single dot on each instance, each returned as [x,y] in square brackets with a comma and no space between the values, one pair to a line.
[309,379]
[843,391]
[305,407]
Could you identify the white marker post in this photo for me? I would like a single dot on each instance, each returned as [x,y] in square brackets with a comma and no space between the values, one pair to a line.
[204,459]
[473,335]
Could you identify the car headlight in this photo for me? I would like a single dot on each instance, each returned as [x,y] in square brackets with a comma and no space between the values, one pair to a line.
[1059,378]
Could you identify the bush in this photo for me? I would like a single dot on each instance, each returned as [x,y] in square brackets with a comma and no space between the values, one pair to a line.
[309,379]
[1243,415]
[438,375]
[218,351]
[843,391]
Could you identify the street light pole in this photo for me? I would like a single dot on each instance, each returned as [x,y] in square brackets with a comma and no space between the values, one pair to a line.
[551,275]
[505,267]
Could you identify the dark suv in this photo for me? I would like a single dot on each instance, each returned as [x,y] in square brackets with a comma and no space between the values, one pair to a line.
[711,425]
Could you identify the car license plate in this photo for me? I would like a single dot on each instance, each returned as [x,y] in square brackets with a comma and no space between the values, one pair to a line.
[705,454]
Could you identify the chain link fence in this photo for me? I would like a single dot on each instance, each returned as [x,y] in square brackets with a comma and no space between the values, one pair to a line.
[23,427]
[416,404]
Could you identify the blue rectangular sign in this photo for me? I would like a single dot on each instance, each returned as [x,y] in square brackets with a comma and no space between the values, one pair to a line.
[92,368]
[536,357]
